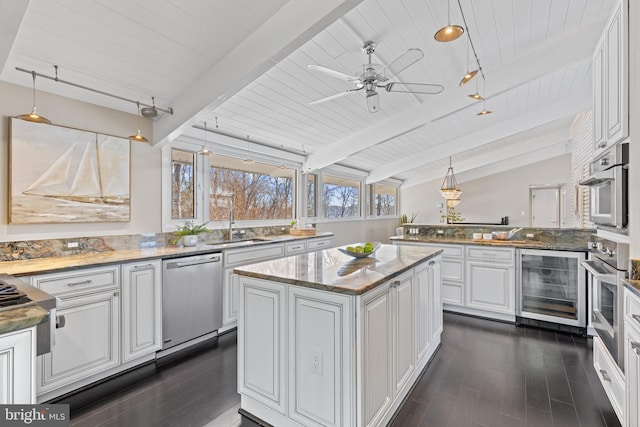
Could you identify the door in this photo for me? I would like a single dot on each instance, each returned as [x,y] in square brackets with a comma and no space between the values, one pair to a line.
[17,352]
[403,331]
[87,341]
[545,206]
[491,287]
[632,373]
[141,309]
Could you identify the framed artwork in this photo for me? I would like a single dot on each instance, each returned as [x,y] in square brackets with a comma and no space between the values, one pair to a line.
[65,175]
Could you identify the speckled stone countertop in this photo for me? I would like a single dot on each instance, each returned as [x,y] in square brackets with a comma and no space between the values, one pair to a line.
[53,264]
[331,270]
[22,318]
[633,283]
[522,244]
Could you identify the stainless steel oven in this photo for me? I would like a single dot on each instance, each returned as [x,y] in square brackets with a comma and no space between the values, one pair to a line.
[608,182]
[607,268]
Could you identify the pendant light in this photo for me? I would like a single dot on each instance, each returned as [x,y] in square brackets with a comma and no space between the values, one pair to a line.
[205,151]
[470,74]
[34,116]
[449,188]
[484,111]
[476,95]
[247,160]
[138,136]
[450,32]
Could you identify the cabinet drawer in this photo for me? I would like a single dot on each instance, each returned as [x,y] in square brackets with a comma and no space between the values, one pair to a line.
[77,281]
[453,269]
[251,255]
[316,244]
[295,247]
[452,293]
[489,254]
[610,377]
[448,251]
[632,308]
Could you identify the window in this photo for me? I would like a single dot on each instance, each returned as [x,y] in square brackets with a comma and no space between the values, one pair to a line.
[182,184]
[255,191]
[312,186]
[340,197]
[385,200]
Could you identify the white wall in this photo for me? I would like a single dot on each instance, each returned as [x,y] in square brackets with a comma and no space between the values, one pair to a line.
[145,163]
[634,130]
[374,230]
[489,198]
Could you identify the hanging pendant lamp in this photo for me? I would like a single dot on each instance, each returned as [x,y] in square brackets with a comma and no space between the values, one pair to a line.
[138,136]
[205,151]
[484,111]
[34,116]
[450,32]
[449,189]
[476,95]
[470,74]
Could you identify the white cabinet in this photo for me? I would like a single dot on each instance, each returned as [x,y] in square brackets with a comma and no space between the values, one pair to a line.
[319,243]
[87,341]
[141,309]
[428,305]
[491,279]
[632,358]
[17,367]
[611,81]
[610,376]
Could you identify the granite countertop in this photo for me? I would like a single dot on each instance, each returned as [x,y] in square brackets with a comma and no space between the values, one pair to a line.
[522,244]
[53,264]
[331,270]
[22,318]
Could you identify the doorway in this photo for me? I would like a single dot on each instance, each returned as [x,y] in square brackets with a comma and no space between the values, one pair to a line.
[546,204]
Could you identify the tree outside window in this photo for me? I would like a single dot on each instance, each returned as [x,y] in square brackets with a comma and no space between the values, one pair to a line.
[385,200]
[182,184]
[340,197]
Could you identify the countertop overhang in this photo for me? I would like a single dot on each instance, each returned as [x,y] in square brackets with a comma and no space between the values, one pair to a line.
[521,244]
[331,270]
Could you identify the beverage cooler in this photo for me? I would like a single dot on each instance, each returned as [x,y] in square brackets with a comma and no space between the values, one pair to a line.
[552,290]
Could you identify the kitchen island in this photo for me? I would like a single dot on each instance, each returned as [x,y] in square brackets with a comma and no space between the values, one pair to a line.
[327,339]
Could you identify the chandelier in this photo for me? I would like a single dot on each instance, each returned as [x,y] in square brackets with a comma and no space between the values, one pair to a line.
[449,188]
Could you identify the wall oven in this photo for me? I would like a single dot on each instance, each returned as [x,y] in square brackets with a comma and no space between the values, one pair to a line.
[607,268]
[608,182]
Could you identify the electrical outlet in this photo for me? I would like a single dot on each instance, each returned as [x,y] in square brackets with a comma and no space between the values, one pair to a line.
[529,235]
[72,245]
[440,231]
[316,361]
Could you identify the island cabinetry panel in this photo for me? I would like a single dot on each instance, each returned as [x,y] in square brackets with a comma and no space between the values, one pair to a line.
[262,361]
[491,280]
[87,340]
[321,378]
[632,358]
[141,309]
[610,376]
[17,367]
[319,243]
[235,258]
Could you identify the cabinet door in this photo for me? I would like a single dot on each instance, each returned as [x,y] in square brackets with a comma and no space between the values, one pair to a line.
[403,331]
[632,374]
[86,343]
[17,376]
[599,140]
[262,358]
[491,287]
[230,298]
[423,308]
[435,288]
[141,309]
[377,344]
[616,76]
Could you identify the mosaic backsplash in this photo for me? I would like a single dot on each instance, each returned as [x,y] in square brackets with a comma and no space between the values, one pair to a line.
[31,249]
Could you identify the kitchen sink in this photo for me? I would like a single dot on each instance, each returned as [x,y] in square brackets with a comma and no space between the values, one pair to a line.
[234,243]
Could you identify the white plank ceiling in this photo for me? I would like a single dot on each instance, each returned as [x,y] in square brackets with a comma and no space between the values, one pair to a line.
[235,62]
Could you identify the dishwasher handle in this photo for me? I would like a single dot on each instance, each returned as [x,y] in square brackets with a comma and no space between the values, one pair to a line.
[180,264]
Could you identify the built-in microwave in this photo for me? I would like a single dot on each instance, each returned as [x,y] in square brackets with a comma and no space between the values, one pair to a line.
[608,182]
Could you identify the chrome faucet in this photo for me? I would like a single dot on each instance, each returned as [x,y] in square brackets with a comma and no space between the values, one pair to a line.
[231,222]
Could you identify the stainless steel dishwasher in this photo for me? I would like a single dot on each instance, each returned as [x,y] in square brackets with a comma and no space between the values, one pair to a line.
[191,298]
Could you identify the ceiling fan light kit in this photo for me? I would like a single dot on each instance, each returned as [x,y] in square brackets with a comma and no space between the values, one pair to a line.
[373,78]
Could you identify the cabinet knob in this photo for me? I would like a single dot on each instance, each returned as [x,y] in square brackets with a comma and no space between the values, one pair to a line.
[635,346]
[116,294]
[605,376]
[60,321]
[636,317]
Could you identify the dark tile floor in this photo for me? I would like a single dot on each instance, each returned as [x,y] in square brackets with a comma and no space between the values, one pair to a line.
[485,374]
[496,374]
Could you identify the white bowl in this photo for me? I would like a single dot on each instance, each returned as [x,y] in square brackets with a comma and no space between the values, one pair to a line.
[477,236]
[487,236]
[376,246]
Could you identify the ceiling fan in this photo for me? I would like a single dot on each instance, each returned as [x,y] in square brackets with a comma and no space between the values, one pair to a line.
[374,77]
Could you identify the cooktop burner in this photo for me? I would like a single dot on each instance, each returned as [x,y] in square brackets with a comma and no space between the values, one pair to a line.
[10,296]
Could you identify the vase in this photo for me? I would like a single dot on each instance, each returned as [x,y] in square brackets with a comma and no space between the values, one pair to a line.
[190,240]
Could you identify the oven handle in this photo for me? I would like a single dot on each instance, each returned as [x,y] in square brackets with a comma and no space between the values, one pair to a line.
[609,278]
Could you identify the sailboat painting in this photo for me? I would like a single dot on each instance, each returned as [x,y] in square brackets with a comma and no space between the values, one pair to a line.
[65,175]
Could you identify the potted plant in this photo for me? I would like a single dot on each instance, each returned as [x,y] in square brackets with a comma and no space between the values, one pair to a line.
[187,233]
[404,219]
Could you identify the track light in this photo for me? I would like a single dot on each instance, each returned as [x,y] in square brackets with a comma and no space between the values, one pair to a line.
[205,151]
[450,32]
[34,116]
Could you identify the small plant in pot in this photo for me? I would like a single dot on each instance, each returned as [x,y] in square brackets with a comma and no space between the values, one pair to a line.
[187,233]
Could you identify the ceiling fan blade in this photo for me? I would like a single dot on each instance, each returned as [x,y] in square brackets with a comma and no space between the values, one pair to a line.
[373,102]
[337,95]
[423,88]
[332,73]
[402,62]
